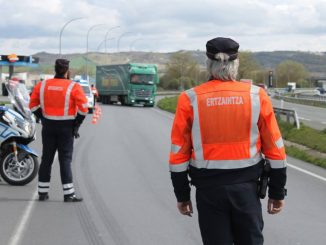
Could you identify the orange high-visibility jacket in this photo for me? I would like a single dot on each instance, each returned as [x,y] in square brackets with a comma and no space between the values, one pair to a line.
[59,99]
[94,91]
[225,125]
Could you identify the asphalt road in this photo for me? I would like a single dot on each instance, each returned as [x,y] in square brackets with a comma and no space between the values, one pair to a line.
[314,117]
[121,170]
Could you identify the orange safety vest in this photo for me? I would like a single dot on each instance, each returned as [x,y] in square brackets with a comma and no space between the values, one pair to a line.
[225,125]
[59,99]
[94,91]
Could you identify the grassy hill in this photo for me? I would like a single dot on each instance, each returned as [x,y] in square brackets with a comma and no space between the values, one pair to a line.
[315,63]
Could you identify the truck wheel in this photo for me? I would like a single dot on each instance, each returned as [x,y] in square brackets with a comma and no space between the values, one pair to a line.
[124,100]
[105,100]
[109,100]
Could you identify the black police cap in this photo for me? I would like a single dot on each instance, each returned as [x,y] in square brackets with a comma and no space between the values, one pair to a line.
[222,45]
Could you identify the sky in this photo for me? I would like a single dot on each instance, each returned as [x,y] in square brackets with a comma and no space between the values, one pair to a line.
[32,26]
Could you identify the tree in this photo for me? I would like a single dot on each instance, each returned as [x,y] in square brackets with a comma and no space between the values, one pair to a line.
[249,68]
[182,71]
[291,71]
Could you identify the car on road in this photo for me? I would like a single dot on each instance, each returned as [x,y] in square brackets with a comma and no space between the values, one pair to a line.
[88,92]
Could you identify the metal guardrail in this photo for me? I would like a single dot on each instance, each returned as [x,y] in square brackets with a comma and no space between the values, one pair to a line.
[313,98]
[168,92]
[289,113]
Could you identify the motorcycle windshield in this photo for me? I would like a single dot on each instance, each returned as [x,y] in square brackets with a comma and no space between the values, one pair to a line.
[19,98]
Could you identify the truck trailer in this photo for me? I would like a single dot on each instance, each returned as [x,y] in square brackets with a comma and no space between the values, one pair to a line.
[128,84]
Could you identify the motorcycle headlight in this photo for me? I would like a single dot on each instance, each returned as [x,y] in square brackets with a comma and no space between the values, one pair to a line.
[28,128]
[25,125]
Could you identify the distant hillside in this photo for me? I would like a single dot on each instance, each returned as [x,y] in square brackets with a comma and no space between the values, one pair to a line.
[315,63]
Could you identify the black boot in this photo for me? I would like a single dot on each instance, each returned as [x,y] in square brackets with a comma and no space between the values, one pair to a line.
[43,197]
[72,198]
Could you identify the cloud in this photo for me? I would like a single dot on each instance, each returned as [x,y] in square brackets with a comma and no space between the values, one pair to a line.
[162,25]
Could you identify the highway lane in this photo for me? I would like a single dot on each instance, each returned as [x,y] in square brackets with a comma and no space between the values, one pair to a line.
[310,115]
[120,168]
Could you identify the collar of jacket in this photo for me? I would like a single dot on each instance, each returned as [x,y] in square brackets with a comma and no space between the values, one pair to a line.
[59,76]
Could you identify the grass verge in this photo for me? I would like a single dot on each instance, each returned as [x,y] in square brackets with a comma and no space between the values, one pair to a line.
[309,137]
[312,138]
[305,156]
[168,104]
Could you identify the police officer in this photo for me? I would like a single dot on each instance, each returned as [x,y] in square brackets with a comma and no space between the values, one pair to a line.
[62,106]
[94,92]
[220,131]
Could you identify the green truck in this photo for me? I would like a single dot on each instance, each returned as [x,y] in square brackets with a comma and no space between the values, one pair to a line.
[128,84]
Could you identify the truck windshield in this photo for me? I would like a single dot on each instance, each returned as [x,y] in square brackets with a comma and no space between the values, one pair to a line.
[142,78]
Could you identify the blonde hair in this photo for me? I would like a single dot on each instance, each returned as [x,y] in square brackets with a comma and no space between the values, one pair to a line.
[222,68]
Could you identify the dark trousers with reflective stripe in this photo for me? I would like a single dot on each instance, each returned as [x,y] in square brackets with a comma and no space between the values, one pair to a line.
[230,214]
[57,136]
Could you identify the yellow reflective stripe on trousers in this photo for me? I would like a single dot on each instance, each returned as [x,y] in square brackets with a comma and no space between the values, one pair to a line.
[255,111]
[43,187]
[66,186]
[226,164]
[44,184]
[70,191]
[180,167]
[195,131]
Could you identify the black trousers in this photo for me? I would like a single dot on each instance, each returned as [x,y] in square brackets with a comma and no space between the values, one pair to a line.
[230,214]
[57,136]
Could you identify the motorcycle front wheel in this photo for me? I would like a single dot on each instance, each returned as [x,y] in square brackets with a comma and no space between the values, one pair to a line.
[18,172]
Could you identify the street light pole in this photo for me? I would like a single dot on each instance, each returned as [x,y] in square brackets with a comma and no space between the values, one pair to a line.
[106,39]
[133,42]
[89,30]
[123,34]
[63,27]
[106,36]
[103,42]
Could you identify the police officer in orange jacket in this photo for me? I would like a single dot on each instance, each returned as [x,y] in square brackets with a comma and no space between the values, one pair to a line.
[221,130]
[62,106]
[94,92]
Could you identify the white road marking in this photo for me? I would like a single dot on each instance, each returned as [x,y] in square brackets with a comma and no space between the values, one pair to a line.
[17,235]
[307,172]
[19,231]
[306,119]
[165,113]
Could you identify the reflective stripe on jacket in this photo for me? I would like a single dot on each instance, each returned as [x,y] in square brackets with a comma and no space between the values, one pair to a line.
[225,125]
[59,99]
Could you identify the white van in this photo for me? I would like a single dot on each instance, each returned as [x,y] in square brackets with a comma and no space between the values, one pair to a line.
[88,92]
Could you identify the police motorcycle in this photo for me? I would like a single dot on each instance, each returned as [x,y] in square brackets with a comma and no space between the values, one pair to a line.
[18,162]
